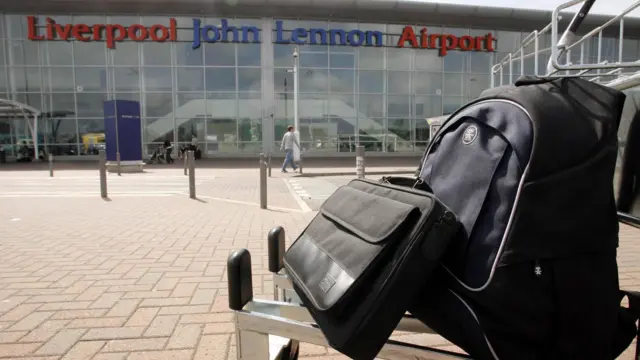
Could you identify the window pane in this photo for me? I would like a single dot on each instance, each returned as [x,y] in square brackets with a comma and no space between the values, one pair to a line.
[157,131]
[481,62]
[220,79]
[88,126]
[457,61]
[127,54]
[429,60]
[27,79]
[60,102]
[190,79]
[398,82]
[313,80]
[56,53]
[219,54]
[190,128]
[249,55]
[342,81]
[427,106]
[60,131]
[24,52]
[371,58]
[91,104]
[158,105]
[127,78]
[156,53]
[93,79]
[249,79]
[371,81]
[400,135]
[89,53]
[189,97]
[187,56]
[282,80]
[371,105]
[453,84]
[398,106]
[157,78]
[342,60]
[314,59]
[398,59]
[343,105]
[428,83]
[451,103]
[283,55]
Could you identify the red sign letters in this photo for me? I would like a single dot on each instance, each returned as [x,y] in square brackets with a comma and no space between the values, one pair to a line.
[445,42]
[110,33]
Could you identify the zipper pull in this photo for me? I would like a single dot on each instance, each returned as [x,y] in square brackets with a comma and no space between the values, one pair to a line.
[537,269]
[417,183]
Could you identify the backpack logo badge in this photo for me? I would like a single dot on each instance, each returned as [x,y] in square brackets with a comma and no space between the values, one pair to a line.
[470,134]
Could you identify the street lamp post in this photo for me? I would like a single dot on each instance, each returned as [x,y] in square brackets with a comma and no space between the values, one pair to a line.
[115,110]
[296,89]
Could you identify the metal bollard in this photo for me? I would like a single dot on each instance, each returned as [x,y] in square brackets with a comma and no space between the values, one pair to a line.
[50,165]
[300,162]
[360,161]
[102,168]
[192,174]
[186,163]
[269,164]
[263,182]
[118,163]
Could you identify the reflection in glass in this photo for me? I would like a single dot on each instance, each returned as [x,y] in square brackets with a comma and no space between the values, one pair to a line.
[17,26]
[23,52]
[314,59]
[399,135]
[188,97]
[451,103]
[481,62]
[158,104]
[89,53]
[342,81]
[371,58]
[219,54]
[457,61]
[342,60]
[477,83]
[187,56]
[427,106]
[371,105]
[59,102]
[156,53]
[398,106]
[60,131]
[126,78]
[220,79]
[4,86]
[371,82]
[222,134]
[343,105]
[91,79]
[157,79]
[88,126]
[249,55]
[453,84]
[90,104]
[313,80]
[190,79]
[399,58]
[56,53]
[427,82]
[190,128]
[282,80]
[398,82]
[428,60]
[127,54]
[157,131]
[26,79]
[283,55]
[249,79]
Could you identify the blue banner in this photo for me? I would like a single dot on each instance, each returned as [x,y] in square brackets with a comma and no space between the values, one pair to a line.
[123,130]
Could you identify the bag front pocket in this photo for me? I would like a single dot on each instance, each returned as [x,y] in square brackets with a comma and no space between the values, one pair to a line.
[340,248]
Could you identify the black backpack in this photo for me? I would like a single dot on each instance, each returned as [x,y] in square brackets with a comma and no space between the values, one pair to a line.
[528,168]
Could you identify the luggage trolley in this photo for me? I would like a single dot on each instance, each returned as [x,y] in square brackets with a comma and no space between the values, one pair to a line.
[273,329]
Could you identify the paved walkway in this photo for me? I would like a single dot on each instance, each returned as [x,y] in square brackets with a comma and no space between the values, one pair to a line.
[142,276]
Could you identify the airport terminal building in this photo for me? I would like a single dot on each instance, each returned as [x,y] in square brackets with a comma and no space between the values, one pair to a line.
[369,71]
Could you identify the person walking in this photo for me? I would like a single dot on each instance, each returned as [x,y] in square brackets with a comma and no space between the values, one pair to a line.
[288,140]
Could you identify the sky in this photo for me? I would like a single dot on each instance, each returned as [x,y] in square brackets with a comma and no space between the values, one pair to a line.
[604,7]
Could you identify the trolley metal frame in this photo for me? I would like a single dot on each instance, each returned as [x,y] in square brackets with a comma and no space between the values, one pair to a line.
[273,329]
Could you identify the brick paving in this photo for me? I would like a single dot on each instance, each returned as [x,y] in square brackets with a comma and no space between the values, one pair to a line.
[142,278]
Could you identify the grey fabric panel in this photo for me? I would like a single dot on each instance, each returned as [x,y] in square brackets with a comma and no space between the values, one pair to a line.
[479,181]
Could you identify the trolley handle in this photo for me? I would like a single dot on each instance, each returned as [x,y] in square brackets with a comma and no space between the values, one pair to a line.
[569,36]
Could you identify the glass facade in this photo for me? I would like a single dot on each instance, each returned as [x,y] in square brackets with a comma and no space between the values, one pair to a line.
[238,97]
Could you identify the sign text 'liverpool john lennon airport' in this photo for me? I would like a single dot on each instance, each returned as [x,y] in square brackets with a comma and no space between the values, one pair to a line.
[223,32]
